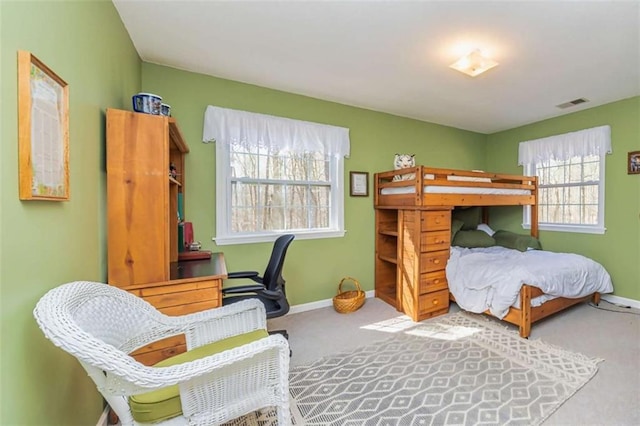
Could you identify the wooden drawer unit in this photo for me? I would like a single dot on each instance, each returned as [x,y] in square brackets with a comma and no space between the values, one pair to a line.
[433,260]
[435,303]
[435,240]
[412,250]
[436,220]
[180,298]
[433,281]
[142,218]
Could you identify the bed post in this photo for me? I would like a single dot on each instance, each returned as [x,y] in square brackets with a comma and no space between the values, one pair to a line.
[534,208]
[419,176]
[376,190]
[525,309]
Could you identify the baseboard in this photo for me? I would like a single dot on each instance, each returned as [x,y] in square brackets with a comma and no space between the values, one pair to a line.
[617,300]
[104,417]
[320,304]
[371,293]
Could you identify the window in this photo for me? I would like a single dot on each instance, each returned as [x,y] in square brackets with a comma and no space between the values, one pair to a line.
[276,175]
[570,170]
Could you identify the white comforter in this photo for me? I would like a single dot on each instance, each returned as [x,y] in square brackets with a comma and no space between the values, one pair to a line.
[490,278]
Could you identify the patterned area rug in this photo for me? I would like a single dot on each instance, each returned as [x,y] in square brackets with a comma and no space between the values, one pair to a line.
[458,369]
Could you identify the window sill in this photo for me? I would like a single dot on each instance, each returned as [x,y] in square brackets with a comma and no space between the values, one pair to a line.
[270,237]
[581,229]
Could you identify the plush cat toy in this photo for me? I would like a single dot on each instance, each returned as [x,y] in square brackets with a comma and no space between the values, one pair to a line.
[404,161]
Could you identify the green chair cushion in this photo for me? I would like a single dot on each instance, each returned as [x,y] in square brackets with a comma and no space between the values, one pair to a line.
[163,404]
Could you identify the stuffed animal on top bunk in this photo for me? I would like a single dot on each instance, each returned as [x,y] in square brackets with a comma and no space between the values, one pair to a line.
[404,161]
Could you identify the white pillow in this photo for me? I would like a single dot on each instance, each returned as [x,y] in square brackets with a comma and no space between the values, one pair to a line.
[484,227]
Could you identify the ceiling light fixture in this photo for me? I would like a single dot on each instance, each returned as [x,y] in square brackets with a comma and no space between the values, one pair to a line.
[473,64]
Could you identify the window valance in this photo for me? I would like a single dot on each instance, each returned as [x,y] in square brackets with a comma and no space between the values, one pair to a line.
[594,141]
[229,126]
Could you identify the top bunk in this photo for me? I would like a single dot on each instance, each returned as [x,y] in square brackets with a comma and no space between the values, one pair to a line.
[426,187]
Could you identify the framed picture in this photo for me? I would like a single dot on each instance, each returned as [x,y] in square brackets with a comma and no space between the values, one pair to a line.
[633,163]
[43,131]
[359,184]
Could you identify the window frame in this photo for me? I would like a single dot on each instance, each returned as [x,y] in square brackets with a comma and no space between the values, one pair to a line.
[530,169]
[224,233]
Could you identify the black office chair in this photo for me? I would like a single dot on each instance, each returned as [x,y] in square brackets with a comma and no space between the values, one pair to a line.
[268,288]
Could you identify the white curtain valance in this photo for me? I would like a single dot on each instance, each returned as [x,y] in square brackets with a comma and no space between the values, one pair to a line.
[229,126]
[594,141]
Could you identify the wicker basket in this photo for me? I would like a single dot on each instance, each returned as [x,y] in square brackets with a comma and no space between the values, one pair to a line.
[348,301]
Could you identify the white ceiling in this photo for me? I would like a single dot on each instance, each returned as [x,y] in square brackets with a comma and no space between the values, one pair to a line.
[394,56]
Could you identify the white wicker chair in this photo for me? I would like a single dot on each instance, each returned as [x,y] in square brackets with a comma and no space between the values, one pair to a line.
[100,325]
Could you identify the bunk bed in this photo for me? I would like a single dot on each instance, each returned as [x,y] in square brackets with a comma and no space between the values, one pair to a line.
[413,238]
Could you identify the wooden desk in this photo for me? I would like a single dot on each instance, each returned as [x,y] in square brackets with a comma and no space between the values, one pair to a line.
[195,285]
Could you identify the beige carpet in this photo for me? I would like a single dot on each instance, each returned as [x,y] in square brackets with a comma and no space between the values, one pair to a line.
[611,398]
[456,369]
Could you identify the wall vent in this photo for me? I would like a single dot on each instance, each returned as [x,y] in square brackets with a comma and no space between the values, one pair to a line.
[573,103]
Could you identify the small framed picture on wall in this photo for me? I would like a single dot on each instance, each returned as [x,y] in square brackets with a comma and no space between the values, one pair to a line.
[359,183]
[633,163]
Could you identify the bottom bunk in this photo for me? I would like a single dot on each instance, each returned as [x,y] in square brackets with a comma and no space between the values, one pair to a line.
[524,316]
[522,287]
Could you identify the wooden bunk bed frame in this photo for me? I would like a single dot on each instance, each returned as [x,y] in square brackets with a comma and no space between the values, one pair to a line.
[418,288]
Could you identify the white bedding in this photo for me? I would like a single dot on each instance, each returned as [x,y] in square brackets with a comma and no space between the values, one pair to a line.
[433,189]
[490,278]
[437,189]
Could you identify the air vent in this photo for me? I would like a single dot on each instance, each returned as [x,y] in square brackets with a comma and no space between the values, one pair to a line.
[573,103]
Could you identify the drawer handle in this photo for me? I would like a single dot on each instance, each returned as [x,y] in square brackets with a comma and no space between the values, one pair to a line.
[436,281]
[436,261]
[435,301]
[437,220]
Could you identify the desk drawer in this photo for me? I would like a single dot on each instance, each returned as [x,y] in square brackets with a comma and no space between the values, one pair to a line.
[168,300]
[181,298]
[436,220]
[435,240]
[436,301]
[433,261]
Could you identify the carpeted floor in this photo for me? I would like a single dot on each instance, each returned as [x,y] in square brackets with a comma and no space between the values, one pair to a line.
[458,369]
[611,398]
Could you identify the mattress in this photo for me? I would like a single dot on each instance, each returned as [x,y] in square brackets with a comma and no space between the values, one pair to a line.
[490,278]
[432,189]
[439,189]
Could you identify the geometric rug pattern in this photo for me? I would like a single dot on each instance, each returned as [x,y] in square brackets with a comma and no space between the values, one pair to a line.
[457,369]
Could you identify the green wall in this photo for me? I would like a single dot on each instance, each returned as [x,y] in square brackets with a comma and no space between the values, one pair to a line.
[619,248]
[44,244]
[313,268]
